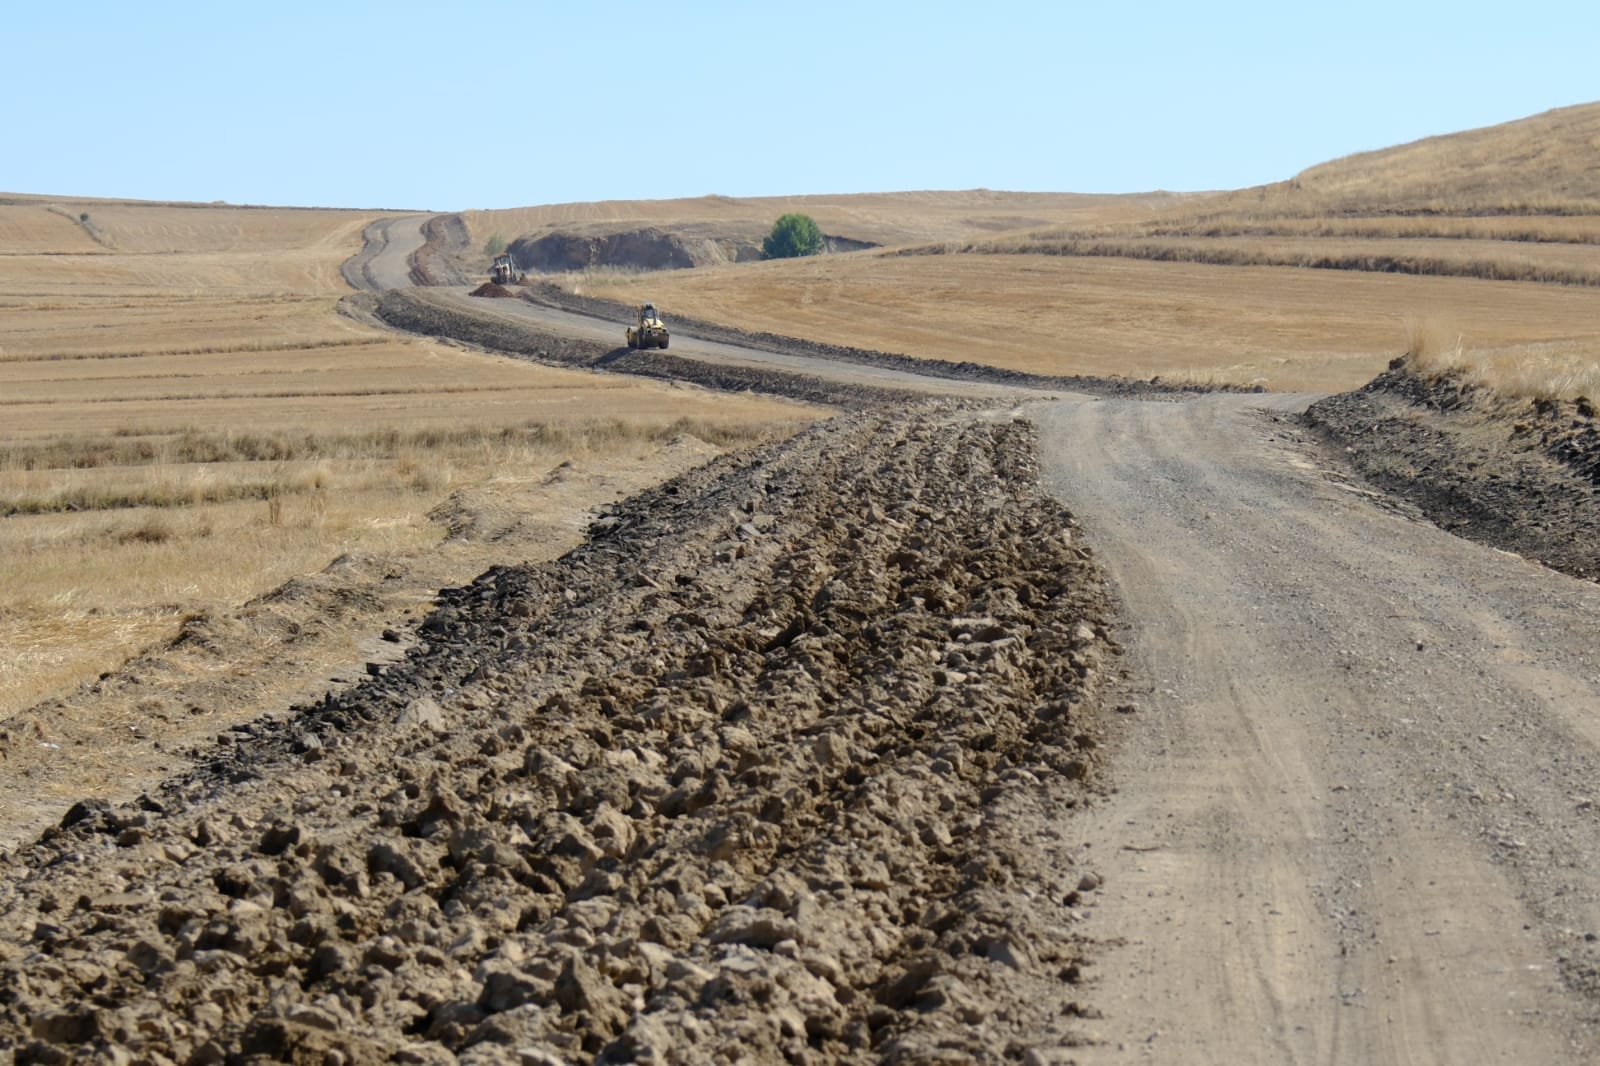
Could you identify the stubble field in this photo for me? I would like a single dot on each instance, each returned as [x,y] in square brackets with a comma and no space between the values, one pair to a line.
[187,421]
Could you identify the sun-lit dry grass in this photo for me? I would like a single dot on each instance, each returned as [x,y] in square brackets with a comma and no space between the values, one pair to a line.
[115,542]
[186,421]
[96,248]
[90,327]
[1555,370]
[1286,329]
[1537,165]
[1520,201]
[881,218]
[1556,229]
[1549,262]
[1304,284]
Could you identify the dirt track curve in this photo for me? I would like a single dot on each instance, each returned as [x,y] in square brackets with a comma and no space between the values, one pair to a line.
[385,260]
[811,756]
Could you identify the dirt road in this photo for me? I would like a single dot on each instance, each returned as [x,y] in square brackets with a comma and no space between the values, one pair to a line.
[1356,817]
[1357,814]
[388,262]
[385,260]
[686,346]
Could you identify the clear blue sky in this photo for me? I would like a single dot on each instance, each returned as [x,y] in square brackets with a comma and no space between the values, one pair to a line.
[500,103]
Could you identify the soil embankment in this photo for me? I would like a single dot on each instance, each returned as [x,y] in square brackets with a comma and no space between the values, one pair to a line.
[1520,475]
[445,243]
[740,778]
[648,247]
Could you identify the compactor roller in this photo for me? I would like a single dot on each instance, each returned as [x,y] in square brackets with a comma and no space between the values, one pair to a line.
[651,332]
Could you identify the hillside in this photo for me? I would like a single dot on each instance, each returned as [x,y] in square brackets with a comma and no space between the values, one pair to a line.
[867,218]
[1313,283]
[1542,165]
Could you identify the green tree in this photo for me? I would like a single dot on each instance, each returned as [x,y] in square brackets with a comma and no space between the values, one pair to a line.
[792,235]
[494,245]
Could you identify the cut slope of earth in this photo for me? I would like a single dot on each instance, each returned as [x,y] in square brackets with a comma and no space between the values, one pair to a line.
[1521,475]
[630,247]
[738,778]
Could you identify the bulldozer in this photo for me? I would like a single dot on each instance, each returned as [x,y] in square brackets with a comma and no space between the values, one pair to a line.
[504,271]
[651,332]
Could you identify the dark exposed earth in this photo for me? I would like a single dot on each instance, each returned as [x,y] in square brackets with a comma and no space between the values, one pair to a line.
[1521,475]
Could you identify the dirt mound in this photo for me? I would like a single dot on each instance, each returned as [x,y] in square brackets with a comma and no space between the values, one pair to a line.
[650,248]
[638,249]
[734,781]
[1523,476]
[494,289]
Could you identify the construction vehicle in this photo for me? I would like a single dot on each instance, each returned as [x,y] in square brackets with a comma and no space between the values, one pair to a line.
[651,332]
[504,271]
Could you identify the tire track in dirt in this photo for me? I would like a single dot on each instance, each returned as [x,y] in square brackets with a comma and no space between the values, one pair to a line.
[385,259]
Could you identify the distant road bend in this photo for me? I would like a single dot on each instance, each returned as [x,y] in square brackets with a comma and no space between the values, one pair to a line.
[1357,815]
[388,258]
[385,260]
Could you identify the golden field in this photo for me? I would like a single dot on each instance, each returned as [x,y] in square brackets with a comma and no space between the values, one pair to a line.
[187,421]
[879,218]
[1285,329]
[1304,285]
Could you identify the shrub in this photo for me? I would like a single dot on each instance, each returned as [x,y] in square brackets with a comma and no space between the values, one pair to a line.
[792,235]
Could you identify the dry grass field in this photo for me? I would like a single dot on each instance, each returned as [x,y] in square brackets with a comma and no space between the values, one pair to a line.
[1286,329]
[1307,284]
[879,218]
[187,421]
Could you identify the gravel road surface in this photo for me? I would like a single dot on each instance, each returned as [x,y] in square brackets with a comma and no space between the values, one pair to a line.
[385,260]
[686,346]
[1356,811]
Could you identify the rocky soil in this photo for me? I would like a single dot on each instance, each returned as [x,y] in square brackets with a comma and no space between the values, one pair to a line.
[755,774]
[1523,476]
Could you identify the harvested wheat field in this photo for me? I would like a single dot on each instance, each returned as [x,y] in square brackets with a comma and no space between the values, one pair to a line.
[187,421]
[867,218]
[1307,285]
[1285,329]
